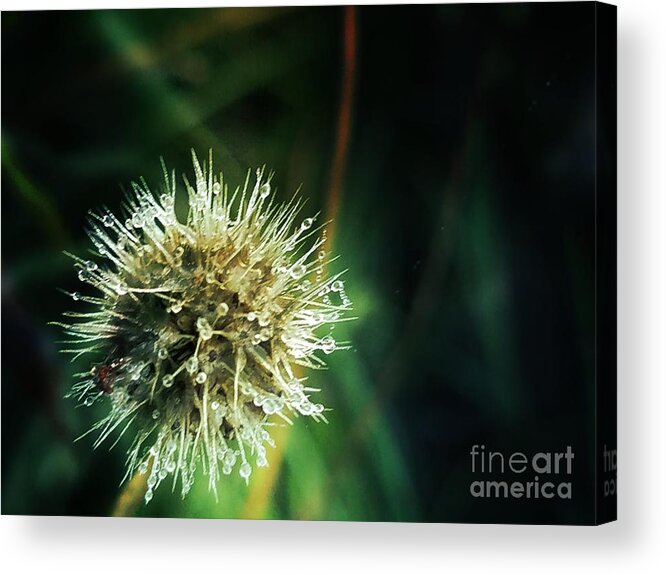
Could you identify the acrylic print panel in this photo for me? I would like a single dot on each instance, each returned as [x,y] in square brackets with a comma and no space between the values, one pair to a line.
[333,263]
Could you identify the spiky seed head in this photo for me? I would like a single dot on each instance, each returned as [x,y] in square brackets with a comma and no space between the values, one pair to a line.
[198,323]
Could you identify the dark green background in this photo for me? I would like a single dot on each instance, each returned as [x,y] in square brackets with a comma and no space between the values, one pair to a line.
[466,219]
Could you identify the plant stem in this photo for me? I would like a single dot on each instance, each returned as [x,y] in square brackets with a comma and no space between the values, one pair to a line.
[131,495]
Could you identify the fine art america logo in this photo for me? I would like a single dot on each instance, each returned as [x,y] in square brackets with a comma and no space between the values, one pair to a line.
[546,474]
[610,471]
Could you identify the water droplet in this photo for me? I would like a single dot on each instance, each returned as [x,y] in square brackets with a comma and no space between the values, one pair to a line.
[264,319]
[192,364]
[128,224]
[337,285]
[251,316]
[179,251]
[265,190]
[210,277]
[201,377]
[328,344]
[88,401]
[149,495]
[298,271]
[217,188]
[171,466]
[167,380]
[215,405]
[222,309]
[155,414]
[76,296]
[176,307]
[162,353]
[91,266]
[143,468]
[307,223]
[230,458]
[245,470]
[107,221]
[121,289]
[205,331]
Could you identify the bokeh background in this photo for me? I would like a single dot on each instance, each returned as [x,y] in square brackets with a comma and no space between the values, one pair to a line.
[453,145]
